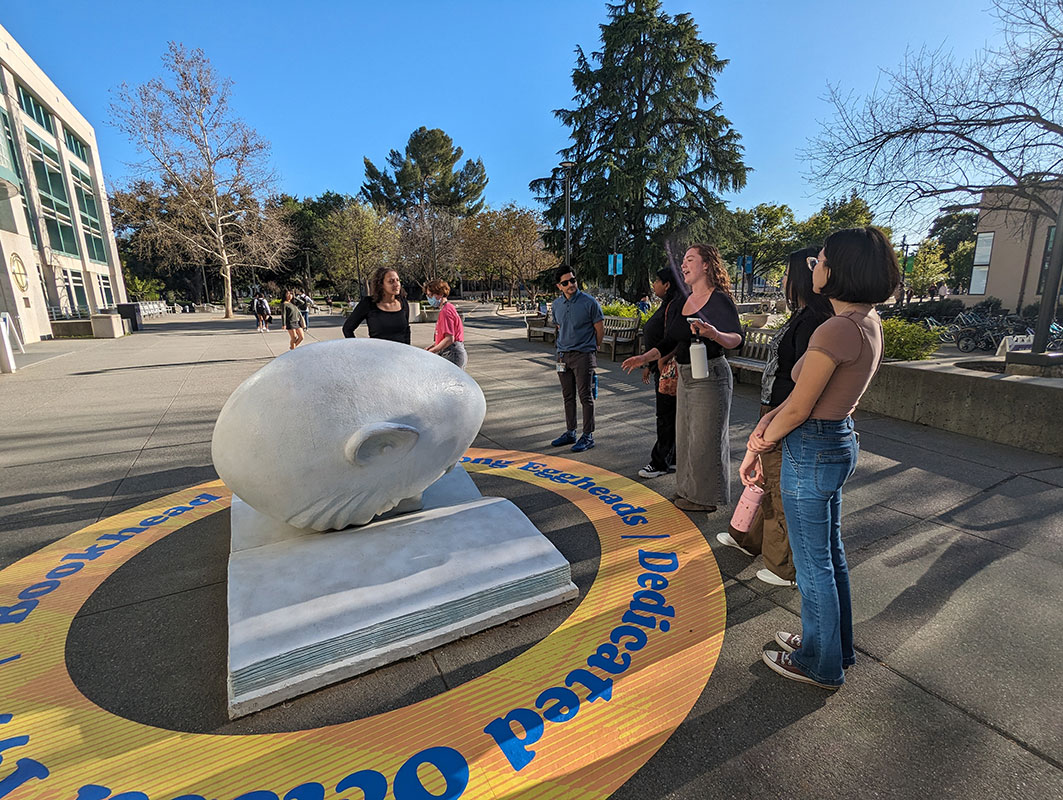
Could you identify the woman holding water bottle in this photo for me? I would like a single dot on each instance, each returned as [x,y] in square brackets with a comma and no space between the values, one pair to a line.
[707,326]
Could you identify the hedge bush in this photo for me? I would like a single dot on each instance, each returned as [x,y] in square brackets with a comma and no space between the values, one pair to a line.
[620,308]
[907,341]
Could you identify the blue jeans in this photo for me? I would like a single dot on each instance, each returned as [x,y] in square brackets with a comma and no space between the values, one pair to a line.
[818,458]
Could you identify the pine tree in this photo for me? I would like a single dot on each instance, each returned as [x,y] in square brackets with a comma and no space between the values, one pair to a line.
[650,143]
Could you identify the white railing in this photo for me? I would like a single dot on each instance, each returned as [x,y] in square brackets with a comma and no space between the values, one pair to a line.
[59,313]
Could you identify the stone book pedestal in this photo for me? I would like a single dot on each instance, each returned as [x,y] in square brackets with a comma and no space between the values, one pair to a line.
[308,609]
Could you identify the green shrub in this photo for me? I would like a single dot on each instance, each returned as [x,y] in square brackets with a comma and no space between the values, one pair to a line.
[620,308]
[1031,311]
[990,305]
[907,341]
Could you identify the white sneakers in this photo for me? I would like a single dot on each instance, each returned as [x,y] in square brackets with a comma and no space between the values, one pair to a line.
[765,575]
[768,576]
[724,537]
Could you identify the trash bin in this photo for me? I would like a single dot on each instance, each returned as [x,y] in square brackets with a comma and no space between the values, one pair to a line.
[131,312]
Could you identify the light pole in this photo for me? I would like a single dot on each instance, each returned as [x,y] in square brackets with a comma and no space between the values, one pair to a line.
[567,167]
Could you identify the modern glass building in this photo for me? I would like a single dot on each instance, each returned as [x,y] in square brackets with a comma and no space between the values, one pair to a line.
[56,243]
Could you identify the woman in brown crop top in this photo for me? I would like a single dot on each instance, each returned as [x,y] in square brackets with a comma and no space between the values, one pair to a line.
[855,269]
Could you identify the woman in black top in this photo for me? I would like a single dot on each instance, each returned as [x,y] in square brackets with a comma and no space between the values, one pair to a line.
[703,405]
[293,320]
[767,534]
[662,456]
[385,309]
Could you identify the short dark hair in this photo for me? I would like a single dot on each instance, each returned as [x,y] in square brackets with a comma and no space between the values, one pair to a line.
[562,271]
[799,291]
[667,275]
[863,267]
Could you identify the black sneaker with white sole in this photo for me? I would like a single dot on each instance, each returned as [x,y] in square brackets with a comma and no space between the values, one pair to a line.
[650,471]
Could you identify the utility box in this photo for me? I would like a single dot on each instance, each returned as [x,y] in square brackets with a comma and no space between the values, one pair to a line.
[131,312]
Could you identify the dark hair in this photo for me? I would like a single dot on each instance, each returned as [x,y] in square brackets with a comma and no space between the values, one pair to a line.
[562,271]
[285,293]
[717,274]
[863,267]
[376,284]
[439,287]
[258,294]
[799,291]
[667,275]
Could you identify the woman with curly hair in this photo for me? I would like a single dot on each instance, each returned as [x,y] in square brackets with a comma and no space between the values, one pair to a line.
[385,309]
[703,405]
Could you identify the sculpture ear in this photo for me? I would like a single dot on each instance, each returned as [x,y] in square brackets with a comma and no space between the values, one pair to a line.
[380,444]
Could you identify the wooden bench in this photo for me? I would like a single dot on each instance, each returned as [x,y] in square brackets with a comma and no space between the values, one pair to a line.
[753,354]
[620,331]
[541,326]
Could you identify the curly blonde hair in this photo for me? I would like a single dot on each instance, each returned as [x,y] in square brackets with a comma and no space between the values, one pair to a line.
[716,272]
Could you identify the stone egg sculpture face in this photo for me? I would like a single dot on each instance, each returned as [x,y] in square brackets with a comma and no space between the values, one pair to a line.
[332,434]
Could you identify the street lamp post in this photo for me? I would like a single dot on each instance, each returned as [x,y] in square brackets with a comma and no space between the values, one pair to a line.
[567,167]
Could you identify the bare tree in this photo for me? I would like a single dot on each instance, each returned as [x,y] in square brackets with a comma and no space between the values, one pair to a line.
[428,242]
[507,245]
[207,168]
[939,131]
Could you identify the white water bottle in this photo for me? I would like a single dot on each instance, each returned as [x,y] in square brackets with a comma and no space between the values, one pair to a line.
[699,360]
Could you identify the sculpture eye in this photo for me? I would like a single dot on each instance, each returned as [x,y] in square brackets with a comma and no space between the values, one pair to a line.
[380,444]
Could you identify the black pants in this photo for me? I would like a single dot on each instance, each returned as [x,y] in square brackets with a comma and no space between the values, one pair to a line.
[576,379]
[662,456]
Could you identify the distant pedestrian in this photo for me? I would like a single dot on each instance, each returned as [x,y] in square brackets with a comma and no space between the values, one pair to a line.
[450,332]
[384,310]
[293,320]
[643,305]
[943,291]
[580,328]
[304,304]
[856,269]
[260,308]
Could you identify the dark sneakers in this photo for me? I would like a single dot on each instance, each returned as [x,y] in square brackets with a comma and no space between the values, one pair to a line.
[568,437]
[782,664]
[586,442]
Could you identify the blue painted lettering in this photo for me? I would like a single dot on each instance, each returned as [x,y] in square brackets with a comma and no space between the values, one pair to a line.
[638,638]
[647,580]
[565,704]
[608,658]
[374,786]
[515,747]
[451,765]
[38,590]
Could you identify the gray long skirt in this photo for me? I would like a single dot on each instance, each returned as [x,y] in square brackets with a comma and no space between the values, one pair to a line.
[702,444]
[456,354]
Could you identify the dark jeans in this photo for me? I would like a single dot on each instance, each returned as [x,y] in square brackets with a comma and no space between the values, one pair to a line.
[576,380]
[306,318]
[818,458]
[662,456]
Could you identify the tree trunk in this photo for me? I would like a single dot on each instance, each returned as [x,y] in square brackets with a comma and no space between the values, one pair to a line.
[226,275]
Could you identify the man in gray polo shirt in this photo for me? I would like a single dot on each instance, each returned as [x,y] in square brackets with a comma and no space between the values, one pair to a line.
[579,335]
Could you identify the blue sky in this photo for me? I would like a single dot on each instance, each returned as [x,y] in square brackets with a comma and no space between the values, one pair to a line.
[330,82]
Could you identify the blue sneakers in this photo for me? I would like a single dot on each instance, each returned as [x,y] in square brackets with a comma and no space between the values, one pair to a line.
[568,437]
[586,442]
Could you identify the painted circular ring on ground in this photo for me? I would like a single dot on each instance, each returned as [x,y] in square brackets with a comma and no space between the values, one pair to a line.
[574,716]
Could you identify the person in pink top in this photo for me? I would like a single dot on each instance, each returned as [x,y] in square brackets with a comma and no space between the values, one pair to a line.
[855,269]
[450,332]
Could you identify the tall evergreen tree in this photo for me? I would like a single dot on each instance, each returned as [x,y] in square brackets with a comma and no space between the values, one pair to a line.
[649,140]
[426,174]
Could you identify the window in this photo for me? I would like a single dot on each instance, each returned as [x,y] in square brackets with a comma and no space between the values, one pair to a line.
[983,250]
[104,283]
[75,289]
[35,109]
[51,191]
[76,146]
[90,216]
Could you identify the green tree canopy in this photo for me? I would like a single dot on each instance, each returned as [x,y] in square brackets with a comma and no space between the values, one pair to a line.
[426,174]
[836,214]
[928,269]
[767,233]
[649,140]
[952,229]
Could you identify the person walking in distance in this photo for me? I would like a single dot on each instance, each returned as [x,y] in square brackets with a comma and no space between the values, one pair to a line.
[579,335]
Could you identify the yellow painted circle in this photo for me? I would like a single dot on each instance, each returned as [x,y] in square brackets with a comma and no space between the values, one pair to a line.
[448,746]
[18,272]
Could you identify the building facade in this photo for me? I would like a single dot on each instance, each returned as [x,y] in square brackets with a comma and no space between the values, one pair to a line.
[56,242]
[1012,251]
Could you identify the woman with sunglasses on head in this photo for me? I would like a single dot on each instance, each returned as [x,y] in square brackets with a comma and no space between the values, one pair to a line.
[855,269]
[703,404]
[767,533]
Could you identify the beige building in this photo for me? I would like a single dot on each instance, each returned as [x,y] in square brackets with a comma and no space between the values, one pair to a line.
[1011,252]
[56,243]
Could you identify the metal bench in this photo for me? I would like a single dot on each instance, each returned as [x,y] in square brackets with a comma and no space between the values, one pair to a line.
[753,354]
[541,326]
[620,331]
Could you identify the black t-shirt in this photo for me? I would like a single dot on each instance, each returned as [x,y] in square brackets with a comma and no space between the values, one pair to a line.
[792,346]
[719,310]
[391,325]
[653,330]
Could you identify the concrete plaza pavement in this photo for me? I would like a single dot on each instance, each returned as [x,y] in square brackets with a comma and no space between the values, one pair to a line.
[955,547]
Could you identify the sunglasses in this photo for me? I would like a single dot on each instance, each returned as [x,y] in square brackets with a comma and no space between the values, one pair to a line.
[566,283]
[812,262]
